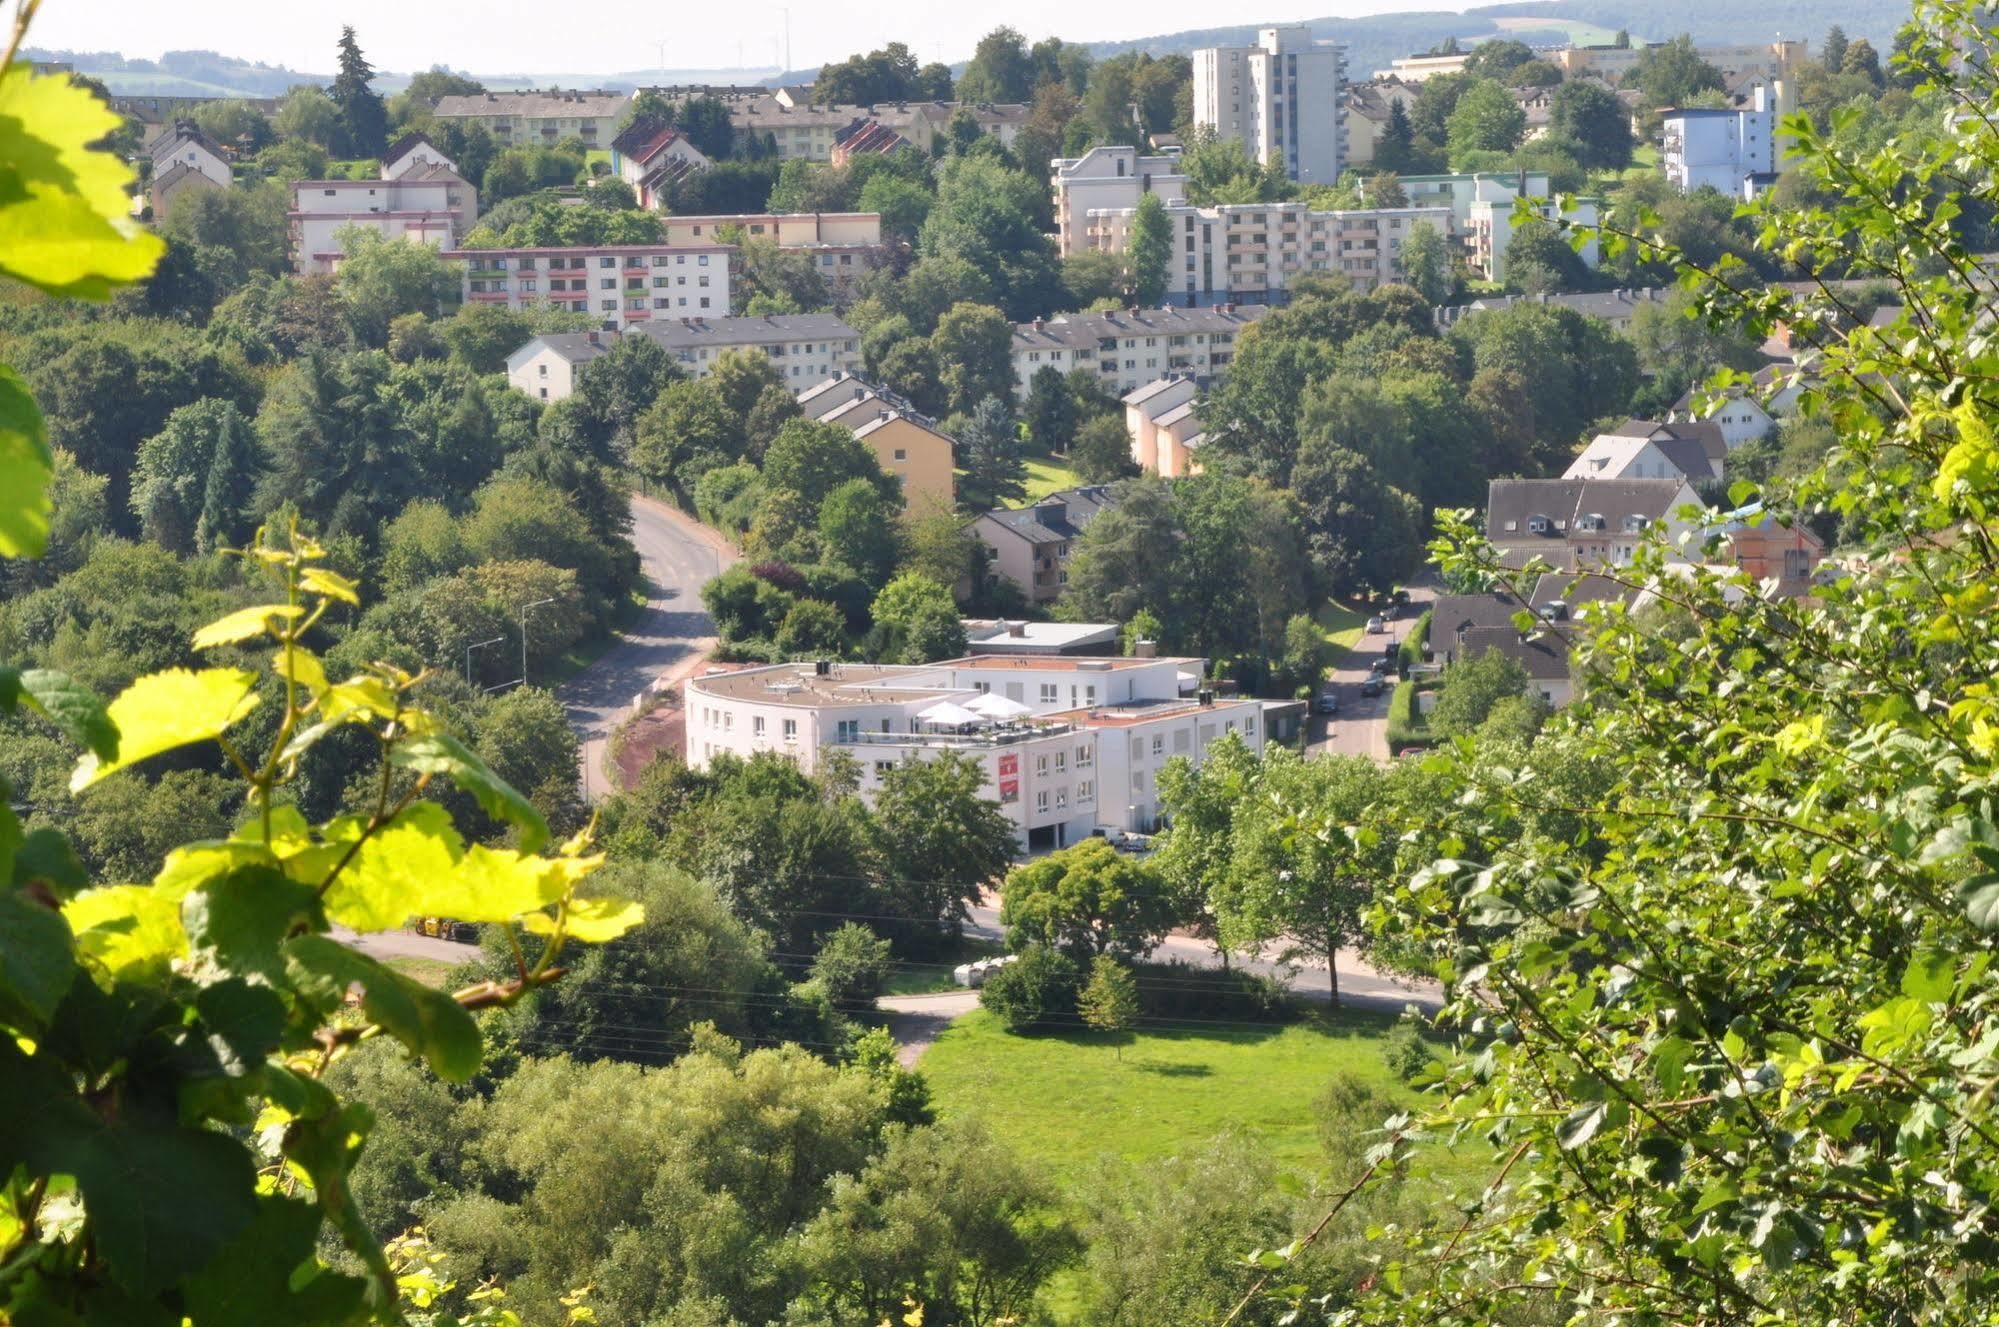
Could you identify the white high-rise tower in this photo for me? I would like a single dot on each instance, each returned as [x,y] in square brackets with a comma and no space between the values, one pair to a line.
[1283,98]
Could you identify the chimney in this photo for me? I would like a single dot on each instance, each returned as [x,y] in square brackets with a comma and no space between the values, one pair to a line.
[1206,695]
[592,336]
[1016,629]
[1145,649]
[823,668]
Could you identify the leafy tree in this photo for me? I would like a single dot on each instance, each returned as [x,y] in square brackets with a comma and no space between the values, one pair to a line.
[943,840]
[1087,899]
[812,458]
[364,120]
[308,113]
[1862,60]
[989,449]
[1199,803]
[1832,54]
[852,966]
[622,384]
[1497,59]
[1672,73]
[1361,534]
[380,279]
[918,621]
[1108,1002]
[1426,262]
[1149,251]
[194,480]
[1384,189]
[1000,69]
[1473,686]
[1576,369]
[688,431]
[973,345]
[1101,453]
[858,529]
[1595,121]
[1485,119]
[813,629]
[1037,989]
[1050,410]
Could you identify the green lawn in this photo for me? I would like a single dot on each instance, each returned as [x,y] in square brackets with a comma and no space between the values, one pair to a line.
[1342,625]
[1066,1100]
[429,971]
[1046,474]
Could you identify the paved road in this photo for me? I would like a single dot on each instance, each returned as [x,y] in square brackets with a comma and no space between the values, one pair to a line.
[1361,727]
[678,555]
[406,944]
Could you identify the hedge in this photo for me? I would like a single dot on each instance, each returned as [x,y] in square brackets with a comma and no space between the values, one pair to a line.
[1407,727]
[1412,644]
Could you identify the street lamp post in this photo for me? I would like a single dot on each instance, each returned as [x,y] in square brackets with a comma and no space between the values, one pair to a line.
[524,635]
[477,645]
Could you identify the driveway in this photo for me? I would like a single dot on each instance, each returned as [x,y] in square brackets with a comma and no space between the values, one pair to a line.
[668,642]
[1361,727]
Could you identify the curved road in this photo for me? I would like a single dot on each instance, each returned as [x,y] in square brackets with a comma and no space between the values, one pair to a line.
[677,555]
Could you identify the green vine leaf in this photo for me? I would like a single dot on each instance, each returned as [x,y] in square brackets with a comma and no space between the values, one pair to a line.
[25,470]
[441,753]
[36,963]
[429,1022]
[67,227]
[127,932]
[251,1284]
[242,624]
[170,709]
[71,707]
[393,873]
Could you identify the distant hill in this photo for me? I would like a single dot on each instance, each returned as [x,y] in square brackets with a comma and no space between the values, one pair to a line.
[1375,40]
[183,73]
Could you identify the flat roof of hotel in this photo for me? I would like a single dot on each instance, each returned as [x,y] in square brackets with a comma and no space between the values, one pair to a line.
[1143,711]
[844,684]
[1082,663]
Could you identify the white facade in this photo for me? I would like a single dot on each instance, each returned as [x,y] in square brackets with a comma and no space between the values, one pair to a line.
[1087,754]
[1283,99]
[1740,416]
[1724,150]
[1107,178]
[540,119]
[804,348]
[1482,212]
[1250,251]
[1609,456]
[620,285]
[1129,349]
[434,211]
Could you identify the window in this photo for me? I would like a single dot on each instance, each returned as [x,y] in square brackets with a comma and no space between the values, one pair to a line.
[1041,800]
[1061,799]
[1086,756]
[882,767]
[848,730]
[791,730]
[607,262]
[1159,744]
[1182,739]
[1085,791]
[1138,748]
[1041,766]
[608,283]
[757,726]
[1061,762]
[1049,693]
[902,454]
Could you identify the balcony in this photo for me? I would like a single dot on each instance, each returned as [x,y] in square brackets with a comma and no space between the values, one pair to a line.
[1005,734]
[637,269]
[487,296]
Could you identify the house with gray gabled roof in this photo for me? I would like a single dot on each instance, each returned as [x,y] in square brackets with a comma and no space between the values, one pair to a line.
[803,347]
[1031,545]
[547,368]
[1132,347]
[1574,524]
[1644,449]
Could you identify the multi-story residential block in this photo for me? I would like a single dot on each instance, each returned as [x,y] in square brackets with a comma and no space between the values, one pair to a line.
[907,443]
[804,348]
[801,128]
[1482,212]
[651,155]
[1251,252]
[1165,427]
[1107,178]
[185,162]
[1129,349]
[540,119]
[1729,150]
[1616,307]
[1031,545]
[1284,99]
[843,245]
[1422,68]
[1779,59]
[1083,750]
[1370,107]
[1577,524]
[417,195]
[619,285]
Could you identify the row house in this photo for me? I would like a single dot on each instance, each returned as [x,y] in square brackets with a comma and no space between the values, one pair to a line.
[1133,347]
[907,444]
[652,156]
[842,245]
[185,162]
[417,195]
[1251,252]
[1574,524]
[810,131]
[1693,450]
[1031,545]
[538,119]
[803,347]
[1165,427]
[619,285]
[1065,743]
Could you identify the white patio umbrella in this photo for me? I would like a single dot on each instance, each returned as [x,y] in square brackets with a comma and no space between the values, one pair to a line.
[995,706]
[949,712]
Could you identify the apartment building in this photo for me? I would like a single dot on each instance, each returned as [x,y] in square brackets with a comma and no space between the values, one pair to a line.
[804,347]
[843,245]
[1694,451]
[907,443]
[619,285]
[809,131]
[417,195]
[1107,178]
[1031,545]
[1135,346]
[1284,99]
[1482,212]
[1165,428]
[540,119]
[1729,150]
[1066,743]
[185,162]
[1778,59]
[1421,68]
[1251,252]
[1370,108]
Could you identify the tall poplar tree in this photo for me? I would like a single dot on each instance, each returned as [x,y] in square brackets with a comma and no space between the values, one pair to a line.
[364,120]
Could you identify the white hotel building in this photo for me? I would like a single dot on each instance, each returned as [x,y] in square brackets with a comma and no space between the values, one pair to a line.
[1084,750]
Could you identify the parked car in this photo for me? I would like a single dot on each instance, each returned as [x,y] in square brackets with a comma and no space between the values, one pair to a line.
[1380,665]
[1122,839]
[1374,686]
[1376,625]
[1329,703]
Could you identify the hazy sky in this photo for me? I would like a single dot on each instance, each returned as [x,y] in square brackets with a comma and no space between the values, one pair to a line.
[608,36]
